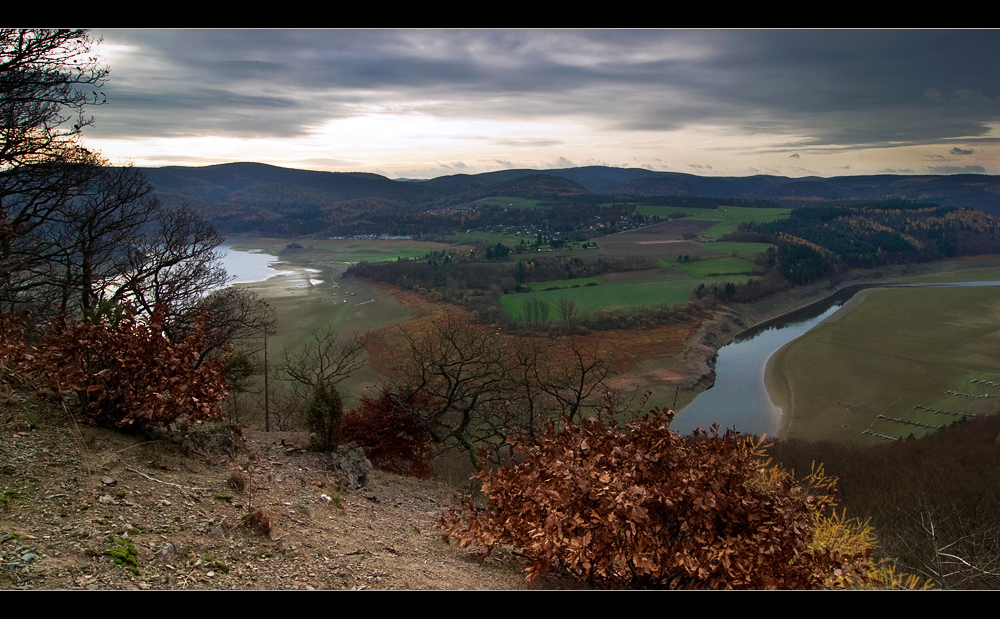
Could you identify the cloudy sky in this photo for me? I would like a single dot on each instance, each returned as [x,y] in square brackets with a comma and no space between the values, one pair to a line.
[421,103]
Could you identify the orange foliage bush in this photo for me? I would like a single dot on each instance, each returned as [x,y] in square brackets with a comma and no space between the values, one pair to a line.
[390,438]
[12,344]
[130,374]
[643,506]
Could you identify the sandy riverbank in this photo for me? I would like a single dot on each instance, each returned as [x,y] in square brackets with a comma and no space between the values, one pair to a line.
[290,280]
[893,362]
[776,374]
[777,370]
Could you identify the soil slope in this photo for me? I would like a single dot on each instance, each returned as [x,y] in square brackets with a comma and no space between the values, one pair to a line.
[70,494]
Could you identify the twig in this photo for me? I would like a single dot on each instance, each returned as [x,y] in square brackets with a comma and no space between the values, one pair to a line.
[128,468]
[121,451]
[359,551]
[79,433]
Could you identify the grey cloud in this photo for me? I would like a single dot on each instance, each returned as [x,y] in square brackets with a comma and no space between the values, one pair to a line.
[836,89]
[961,151]
[968,169]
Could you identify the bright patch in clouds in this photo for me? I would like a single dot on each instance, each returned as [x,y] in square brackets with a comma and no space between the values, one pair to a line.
[421,103]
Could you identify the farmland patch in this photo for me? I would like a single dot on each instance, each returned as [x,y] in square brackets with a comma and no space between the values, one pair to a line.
[636,294]
[726,219]
[645,275]
[914,358]
[725,265]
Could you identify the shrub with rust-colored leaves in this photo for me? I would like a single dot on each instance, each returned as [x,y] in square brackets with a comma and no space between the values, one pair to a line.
[390,438]
[130,375]
[643,506]
[12,344]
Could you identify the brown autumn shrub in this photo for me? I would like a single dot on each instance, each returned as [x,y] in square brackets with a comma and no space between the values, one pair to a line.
[390,438]
[12,346]
[130,375]
[643,506]
[259,522]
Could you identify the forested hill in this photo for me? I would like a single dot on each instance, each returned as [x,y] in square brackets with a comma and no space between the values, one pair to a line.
[818,241]
[265,199]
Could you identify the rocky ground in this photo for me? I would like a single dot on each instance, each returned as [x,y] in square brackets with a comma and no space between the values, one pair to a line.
[86,508]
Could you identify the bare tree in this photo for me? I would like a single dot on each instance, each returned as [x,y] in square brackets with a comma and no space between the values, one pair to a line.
[451,377]
[325,358]
[956,546]
[575,373]
[86,237]
[567,310]
[175,264]
[234,315]
[47,79]
[471,387]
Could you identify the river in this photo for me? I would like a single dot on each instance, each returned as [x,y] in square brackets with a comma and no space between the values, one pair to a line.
[739,397]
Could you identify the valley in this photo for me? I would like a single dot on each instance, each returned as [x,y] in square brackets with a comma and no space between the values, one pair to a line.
[673,362]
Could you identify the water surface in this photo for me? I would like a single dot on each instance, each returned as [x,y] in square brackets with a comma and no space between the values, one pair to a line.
[739,398]
[248,266]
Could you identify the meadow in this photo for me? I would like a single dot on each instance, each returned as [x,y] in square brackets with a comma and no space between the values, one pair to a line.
[607,296]
[893,362]
[347,305]
[726,219]
[685,264]
[726,265]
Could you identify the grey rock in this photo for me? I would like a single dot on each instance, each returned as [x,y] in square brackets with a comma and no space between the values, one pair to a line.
[351,465]
[213,438]
[167,553]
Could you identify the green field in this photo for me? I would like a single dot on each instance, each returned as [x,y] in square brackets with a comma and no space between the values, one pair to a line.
[713,266]
[743,250]
[898,352]
[728,218]
[509,201]
[606,296]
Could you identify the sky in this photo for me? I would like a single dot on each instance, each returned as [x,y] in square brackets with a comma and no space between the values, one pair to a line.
[428,103]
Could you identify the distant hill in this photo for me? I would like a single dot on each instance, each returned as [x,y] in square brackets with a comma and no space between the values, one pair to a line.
[241,195]
[216,182]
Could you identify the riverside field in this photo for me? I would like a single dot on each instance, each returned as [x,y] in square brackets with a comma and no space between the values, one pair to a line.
[892,362]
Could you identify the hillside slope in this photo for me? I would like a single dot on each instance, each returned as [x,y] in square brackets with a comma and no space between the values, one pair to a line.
[70,494]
